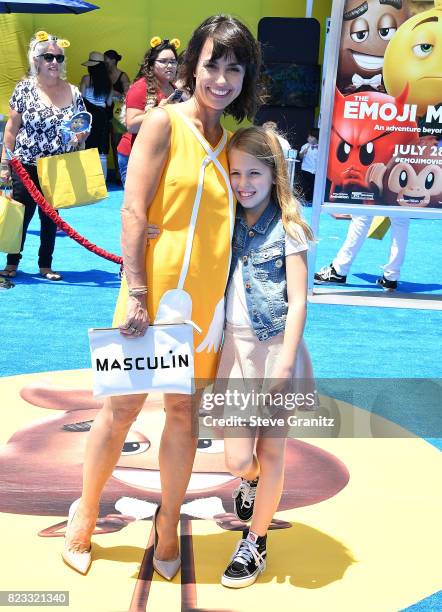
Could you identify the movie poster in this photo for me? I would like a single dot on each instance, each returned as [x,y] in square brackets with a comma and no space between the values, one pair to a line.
[386,136]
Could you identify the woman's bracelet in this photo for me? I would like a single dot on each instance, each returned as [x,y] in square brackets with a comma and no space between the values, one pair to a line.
[137,291]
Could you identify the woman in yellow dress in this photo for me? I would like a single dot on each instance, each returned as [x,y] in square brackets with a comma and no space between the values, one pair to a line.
[178,180]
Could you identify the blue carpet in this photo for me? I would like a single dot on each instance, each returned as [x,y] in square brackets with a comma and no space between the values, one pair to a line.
[421,269]
[44,323]
[429,604]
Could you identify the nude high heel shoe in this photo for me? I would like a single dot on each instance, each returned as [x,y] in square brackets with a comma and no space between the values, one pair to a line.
[79,561]
[166,569]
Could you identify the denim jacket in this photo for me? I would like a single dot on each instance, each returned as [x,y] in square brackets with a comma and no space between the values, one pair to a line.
[262,251]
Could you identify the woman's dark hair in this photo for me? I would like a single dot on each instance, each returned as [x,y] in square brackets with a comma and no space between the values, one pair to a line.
[146,69]
[112,54]
[100,81]
[230,36]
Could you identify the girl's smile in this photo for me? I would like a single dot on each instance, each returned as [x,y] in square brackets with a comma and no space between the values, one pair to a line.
[252,181]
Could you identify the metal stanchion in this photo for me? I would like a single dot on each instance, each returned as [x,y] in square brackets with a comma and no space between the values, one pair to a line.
[291,165]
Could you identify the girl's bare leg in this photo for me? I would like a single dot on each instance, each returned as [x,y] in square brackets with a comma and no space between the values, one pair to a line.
[271,454]
[239,454]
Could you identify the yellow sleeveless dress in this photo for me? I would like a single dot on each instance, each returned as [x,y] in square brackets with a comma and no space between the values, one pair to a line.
[195,211]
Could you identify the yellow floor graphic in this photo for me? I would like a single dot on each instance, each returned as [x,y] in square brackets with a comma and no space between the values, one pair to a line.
[372,545]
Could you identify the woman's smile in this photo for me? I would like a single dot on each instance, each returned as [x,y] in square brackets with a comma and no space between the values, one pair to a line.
[219,81]
[219,93]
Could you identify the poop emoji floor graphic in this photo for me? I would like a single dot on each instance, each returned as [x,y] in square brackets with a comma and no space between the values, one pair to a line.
[354,513]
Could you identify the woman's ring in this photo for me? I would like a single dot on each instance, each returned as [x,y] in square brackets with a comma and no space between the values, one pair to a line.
[132,329]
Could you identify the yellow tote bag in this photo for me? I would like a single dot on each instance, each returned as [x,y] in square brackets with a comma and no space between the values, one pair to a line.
[119,117]
[72,179]
[11,224]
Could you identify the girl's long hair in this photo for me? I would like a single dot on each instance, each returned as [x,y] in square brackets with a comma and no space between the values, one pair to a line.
[264,145]
[99,79]
[146,70]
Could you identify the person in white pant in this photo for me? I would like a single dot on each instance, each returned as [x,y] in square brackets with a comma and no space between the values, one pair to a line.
[337,271]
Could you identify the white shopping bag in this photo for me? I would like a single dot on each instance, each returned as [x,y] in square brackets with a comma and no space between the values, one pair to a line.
[161,360]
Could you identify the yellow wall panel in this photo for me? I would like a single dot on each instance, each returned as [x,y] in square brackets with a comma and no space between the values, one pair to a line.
[128,26]
[15,34]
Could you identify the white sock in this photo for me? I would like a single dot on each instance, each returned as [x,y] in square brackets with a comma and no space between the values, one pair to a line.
[252,537]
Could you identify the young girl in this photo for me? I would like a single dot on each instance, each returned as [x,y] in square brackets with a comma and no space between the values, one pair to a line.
[265,316]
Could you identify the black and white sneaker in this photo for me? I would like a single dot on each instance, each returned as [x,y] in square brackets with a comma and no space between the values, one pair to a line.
[387,285]
[6,284]
[328,274]
[247,562]
[244,499]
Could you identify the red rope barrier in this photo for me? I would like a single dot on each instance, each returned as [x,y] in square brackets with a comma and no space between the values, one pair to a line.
[55,217]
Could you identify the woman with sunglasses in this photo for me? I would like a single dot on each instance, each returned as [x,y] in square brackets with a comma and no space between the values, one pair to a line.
[153,86]
[40,104]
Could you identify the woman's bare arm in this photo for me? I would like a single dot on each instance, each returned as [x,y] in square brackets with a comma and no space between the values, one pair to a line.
[125,82]
[135,116]
[146,164]
[296,272]
[134,119]
[11,130]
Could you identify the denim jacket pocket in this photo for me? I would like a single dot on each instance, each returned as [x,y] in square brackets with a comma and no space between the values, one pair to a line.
[269,262]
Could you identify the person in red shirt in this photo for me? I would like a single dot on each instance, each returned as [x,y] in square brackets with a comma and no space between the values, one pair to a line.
[153,86]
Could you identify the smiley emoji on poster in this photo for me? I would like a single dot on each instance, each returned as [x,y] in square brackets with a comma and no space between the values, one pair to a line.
[414,57]
[367,28]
